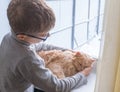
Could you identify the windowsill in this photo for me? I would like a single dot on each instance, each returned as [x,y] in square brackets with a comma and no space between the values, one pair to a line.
[89,87]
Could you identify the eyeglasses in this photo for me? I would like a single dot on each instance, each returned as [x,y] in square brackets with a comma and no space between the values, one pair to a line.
[40,38]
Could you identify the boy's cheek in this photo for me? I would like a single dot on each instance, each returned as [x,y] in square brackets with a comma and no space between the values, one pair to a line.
[33,41]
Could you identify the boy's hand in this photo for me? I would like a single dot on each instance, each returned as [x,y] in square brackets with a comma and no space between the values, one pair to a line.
[87,71]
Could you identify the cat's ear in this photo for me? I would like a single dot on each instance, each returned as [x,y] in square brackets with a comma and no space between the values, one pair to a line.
[77,53]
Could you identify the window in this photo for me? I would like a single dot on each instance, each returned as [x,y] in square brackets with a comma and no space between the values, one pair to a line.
[78,27]
[77,22]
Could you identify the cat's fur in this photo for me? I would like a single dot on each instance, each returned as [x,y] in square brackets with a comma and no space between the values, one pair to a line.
[65,63]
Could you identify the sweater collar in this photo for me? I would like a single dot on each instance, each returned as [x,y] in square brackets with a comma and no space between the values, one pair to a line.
[20,41]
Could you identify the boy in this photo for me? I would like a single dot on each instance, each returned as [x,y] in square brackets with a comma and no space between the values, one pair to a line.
[20,66]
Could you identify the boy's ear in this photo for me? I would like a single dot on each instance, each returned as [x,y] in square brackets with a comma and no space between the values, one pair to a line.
[21,37]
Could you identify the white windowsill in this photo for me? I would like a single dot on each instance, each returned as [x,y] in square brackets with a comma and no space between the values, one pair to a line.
[89,87]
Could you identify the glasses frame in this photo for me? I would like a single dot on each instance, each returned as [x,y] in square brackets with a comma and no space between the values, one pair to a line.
[40,38]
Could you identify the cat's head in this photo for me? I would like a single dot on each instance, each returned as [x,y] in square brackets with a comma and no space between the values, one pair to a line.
[82,61]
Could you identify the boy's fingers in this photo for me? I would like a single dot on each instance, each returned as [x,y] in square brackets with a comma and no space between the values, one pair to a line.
[93,64]
[87,71]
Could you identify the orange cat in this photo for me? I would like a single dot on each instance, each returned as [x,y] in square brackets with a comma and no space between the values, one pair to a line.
[65,63]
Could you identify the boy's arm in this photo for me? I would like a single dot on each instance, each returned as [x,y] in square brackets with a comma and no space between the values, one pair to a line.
[41,77]
[44,46]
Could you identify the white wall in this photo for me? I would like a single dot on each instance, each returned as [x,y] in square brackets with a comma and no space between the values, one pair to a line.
[110,48]
[4,25]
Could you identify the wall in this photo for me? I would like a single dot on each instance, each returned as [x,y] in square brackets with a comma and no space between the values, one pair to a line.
[110,49]
[4,26]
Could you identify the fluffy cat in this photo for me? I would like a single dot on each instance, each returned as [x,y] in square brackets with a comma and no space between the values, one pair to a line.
[65,63]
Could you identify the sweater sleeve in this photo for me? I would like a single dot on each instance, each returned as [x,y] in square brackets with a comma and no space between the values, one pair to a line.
[34,71]
[44,46]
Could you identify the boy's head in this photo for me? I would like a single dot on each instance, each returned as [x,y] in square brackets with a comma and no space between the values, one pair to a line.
[30,17]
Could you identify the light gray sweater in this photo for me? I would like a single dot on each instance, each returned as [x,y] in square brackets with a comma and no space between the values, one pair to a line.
[21,67]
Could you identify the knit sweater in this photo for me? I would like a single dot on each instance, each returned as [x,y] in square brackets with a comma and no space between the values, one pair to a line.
[21,67]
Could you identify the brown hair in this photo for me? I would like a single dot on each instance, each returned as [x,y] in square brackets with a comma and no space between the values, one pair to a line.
[30,16]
